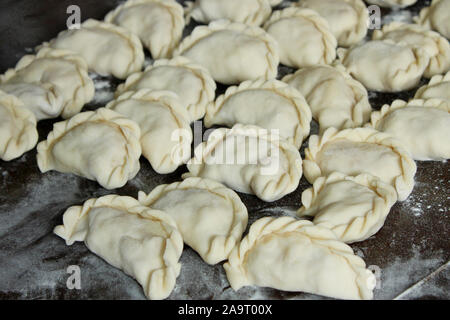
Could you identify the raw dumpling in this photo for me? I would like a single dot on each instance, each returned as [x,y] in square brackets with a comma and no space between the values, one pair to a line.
[354,208]
[45,101]
[108,49]
[158,23]
[347,19]
[191,82]
[438,87]
[102,146]
[434,44]
[269,104]
[295,255]
[436,17]
[423,126]
[335,98]
[392,3]
[251,12]
[385,66]
[65,70]
[361,150]
[143,243]
[18,132]
[304,37]
[232,52]
[166,136]
[248,159]
[211,218]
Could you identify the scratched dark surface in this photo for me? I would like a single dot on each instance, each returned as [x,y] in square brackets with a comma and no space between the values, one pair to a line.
[410,253]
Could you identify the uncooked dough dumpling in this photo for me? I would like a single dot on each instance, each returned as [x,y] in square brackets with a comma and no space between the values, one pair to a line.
[354,208]
[361,150]
[18,132]
[269,104]
[436,17]
[108,49]
[384,65]
[438,87]
[347,19]
[248,159]
[159,24]
[304,37]
[102,146]
[143,243]
[251,12]
[423,126]
[295,255]
[211,218]
[191,82]
[335,98]
[166,136]
[232,52]
[392,3]
[432,42]
[66,71]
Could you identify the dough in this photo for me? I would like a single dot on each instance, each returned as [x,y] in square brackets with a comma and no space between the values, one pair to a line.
[392,3]
[166,136]
[18,132]
[384,65]
[304,37]
[361,150]
[211,218]
[347,19]
[295,255]
[248,159]
[335,98]
[436,17]
[269,104]
[251,12]
[143,243]
[108,49]
[434,44]
[423,126]
[65,70]
[159,24]
[191,82]
[438,87]
[354,208]
[232,52]
[102,146]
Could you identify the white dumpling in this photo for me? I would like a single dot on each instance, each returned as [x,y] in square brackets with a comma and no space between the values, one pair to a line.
[304,37]
[269,104]
[210,217]
[65,70]
[251,12]
[295,255]
[143,243]
[335,98]
[159,24]
[354,208]
[392,3]
[423,126]
[432,42]
[166,136]
[232,52]
[437,87]
[45,101]
[18,132]
[361,150]
[108,49]
[347,19]
[190,81]
[436,17]
[248,159]
[102,146]
[385,66]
